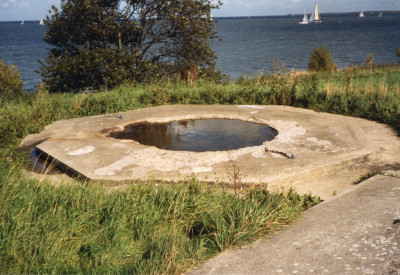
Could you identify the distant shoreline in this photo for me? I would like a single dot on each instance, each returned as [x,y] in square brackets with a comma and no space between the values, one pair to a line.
[367,12]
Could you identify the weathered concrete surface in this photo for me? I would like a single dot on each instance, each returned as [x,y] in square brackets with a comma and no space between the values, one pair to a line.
[331,151]
[356,232]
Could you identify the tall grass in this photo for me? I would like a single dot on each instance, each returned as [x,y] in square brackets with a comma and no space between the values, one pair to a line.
[362,92]
[146,229]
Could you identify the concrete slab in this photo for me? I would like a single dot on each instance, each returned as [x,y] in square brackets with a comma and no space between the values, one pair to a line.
[326,147]
[392,173]
[356,232]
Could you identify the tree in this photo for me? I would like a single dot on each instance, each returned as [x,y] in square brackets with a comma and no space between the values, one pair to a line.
[321,60]
[398,52]
[11,85]
[102,43]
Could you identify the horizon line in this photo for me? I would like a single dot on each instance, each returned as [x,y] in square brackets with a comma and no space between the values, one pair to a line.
[237,16]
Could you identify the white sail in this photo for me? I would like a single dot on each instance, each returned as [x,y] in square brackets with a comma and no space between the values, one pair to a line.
[41,21]
[312,18]
[22,22]
[305,19]
[316,13]
[361,13]
[380,15]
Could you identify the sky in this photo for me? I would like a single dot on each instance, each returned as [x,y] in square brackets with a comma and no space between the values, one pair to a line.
[14,10]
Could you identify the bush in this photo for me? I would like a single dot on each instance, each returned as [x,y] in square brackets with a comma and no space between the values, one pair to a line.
[398,52]
[321,60]
[11,85]
[370,61]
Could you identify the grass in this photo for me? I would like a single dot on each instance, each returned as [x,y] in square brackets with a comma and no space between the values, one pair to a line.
[167,228]
[145,229]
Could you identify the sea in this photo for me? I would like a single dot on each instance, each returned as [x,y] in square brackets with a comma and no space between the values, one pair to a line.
[246,45]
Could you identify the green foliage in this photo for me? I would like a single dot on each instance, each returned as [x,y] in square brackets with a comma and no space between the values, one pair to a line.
[103,44]
[309,95]
[398,52]
[283,86]
[11,86]
[321,60]
[145,229]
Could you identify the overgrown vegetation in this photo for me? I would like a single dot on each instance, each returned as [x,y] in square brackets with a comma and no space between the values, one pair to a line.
[151,228]
[11,84]
[321,60]
[142,230]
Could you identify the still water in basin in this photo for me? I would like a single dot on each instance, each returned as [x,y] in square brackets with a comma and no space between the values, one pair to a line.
[199,135]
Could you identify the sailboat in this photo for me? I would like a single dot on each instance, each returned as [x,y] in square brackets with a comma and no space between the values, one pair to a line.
[315,15]
[361,13]
[380,15]
[41,21]
[22,22]
[305,19]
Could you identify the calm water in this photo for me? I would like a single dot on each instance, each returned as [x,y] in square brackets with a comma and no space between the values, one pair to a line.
[199,135]
[23,45]
[247,44]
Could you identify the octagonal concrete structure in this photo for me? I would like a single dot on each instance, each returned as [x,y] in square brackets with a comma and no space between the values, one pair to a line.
[331,151]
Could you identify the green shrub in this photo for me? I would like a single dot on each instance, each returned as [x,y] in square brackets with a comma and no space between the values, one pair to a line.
[10,83]
[398,52]
[321,60]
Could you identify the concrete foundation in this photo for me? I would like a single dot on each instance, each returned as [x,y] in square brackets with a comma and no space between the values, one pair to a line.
[331,151]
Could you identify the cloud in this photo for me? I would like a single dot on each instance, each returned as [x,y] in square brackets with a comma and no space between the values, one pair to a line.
[24,5]
[7,3]
[13,3]
[242,3]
